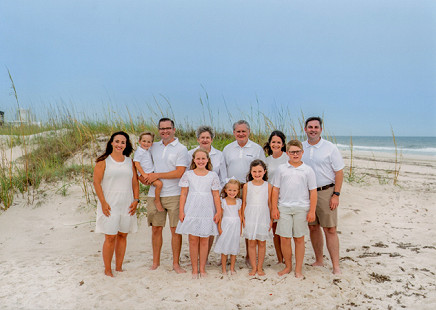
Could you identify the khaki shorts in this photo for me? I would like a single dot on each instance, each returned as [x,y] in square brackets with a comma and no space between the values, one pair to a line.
[324,216]
[292,222]
[170,205]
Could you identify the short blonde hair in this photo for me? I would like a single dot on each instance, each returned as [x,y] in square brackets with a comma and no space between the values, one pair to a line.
[294,143]
[146,133]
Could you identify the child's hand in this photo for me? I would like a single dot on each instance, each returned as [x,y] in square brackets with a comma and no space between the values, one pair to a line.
[310,217]
[220,231]
[275,214]
[243,222]
[181,216]
[217,217]
[106,209]
[270,225]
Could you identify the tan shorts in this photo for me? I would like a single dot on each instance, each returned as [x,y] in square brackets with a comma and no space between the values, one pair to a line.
[324,216]
[170,205]
[292,222]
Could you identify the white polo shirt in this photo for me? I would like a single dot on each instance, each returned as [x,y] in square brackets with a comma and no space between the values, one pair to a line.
[294,184]
[324,158]
[166,159]
[218,163]
[238,159]
[143,156]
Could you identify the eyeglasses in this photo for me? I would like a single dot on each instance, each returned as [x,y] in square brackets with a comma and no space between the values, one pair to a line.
[295,152]
[166,128]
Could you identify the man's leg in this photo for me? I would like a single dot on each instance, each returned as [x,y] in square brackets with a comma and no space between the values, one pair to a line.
[176,245]
[156,241]
[332,242]
[317,244]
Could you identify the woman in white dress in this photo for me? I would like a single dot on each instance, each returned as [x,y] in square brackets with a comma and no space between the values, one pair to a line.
[275,147]
[117,189]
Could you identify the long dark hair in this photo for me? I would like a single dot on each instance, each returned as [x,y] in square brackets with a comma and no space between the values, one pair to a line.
[255,163]
[281,135]
[127,151]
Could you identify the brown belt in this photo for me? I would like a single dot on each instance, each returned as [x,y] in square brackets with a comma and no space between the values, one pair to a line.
[324,187]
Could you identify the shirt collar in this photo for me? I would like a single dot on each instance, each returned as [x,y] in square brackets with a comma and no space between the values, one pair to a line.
[318,145]
[248,144]
[174,143]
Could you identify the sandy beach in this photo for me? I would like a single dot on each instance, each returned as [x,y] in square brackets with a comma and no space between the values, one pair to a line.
[50,257]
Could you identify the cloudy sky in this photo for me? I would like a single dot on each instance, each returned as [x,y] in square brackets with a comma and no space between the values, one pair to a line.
[364,65]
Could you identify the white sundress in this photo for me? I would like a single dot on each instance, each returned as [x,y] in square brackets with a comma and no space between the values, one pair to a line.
[228,242]
[257,214]
[118,193]
[199,206]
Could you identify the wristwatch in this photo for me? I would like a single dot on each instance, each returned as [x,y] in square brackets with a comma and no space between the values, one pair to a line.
[336,193]
[136,199]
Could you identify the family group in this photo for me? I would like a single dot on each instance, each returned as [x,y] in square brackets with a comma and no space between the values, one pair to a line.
[207,193]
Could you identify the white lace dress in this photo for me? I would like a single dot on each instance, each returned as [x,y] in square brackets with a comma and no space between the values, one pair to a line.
[228,242]
[257,214]
[199,206]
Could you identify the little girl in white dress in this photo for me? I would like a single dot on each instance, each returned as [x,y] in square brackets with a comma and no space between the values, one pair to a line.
[256,214]
[200,208]
[229,227]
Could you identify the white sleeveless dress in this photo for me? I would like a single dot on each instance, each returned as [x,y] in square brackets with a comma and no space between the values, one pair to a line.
[257,214]
[118,192]
[228,242]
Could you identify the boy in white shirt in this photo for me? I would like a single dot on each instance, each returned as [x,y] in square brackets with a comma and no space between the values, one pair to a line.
[294,199]
[144,164]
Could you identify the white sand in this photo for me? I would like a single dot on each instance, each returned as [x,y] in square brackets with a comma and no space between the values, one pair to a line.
[51,259]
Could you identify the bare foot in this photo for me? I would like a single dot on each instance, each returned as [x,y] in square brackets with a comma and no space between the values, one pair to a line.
[203,274]
[299,275]
[154,267]
[260,272]
[178,269]
[286,270]
[232,272]
[252,272]
[158,205]
[194,276]
[108,273]
[224,271]
[318,264]
[337,271]
[119,269]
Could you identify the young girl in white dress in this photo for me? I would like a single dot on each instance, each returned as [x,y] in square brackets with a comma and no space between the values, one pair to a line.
[256,214]
[200,208]
[229,227]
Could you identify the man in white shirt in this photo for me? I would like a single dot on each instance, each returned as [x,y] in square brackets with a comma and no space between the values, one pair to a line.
[170,162]
[240,153]
[326,161]
[238,156]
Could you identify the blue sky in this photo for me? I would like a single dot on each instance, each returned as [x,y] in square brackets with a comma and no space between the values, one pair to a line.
[364,65]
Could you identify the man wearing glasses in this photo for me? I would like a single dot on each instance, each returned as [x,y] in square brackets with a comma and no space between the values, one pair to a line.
[170,159]
[326,161]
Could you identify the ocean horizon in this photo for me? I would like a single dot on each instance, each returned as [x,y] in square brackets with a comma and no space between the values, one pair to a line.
[405,145]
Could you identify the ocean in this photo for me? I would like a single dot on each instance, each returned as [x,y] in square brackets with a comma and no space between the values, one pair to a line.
[405,145]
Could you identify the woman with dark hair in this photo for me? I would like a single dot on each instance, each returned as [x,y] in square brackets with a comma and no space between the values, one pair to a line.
[276,150]
[117,188]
